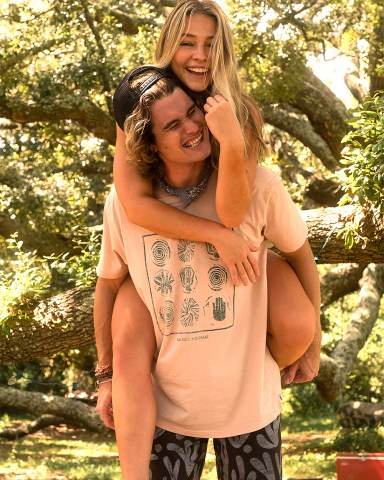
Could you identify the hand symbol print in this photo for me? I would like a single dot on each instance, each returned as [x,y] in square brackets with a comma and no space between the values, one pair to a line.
[219,310]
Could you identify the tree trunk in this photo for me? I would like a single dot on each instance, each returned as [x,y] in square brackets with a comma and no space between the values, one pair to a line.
[58,324]
[41,404]
[361,414]
[336,368]
[26,428]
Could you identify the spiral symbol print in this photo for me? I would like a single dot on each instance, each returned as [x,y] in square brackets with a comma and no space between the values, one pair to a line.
[218,277]
[185,250]
[167,312]
[161,252]
[190,311]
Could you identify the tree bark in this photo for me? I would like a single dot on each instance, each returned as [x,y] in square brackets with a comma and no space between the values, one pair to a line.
[325,226]
[340,281]
[298,126]
[58,324]
[361,414]
[336,368]
[41,404]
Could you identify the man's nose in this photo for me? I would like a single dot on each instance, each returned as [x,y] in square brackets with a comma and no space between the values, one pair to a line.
[191,125]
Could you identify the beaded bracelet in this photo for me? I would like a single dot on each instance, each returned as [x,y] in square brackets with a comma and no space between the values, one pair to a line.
[100,382]
[103,370]
[105,376]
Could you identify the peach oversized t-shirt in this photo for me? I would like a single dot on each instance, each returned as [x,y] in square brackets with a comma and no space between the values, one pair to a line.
[213,376]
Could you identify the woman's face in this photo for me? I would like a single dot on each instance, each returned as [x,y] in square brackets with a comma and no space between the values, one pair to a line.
[180,131]
[192,61]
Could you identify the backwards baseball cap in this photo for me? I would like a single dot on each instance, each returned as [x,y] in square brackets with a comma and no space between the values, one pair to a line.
[126,98]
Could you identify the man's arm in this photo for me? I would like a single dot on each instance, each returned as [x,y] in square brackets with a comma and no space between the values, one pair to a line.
[303,263]
[105,296]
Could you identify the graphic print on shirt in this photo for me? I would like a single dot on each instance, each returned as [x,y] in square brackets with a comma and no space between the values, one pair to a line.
[190,287]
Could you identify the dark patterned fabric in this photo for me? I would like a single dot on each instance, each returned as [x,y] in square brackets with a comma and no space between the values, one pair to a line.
[252,456]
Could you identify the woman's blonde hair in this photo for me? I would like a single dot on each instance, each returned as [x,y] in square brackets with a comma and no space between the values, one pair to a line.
[226,80]
[139,138]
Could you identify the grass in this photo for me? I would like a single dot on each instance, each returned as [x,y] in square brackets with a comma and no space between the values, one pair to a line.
[61,453]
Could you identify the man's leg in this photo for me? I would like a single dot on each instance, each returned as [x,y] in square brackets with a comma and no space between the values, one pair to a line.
[251,456]
[134,408]
[177,456]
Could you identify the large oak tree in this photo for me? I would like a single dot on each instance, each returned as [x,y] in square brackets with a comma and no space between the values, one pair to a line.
[59,64]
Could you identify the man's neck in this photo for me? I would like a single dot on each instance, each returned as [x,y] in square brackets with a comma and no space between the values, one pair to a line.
[185,176]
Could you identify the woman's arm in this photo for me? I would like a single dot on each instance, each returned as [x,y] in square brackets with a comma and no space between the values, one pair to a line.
[136,195]
[236,173]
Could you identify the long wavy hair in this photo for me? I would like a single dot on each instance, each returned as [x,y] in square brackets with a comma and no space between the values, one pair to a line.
[226,80]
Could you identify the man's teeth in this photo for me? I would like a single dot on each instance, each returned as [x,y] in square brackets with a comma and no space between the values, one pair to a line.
[194,142]
[198,70]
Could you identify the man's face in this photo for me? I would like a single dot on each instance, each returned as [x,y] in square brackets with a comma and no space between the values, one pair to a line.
[180,132]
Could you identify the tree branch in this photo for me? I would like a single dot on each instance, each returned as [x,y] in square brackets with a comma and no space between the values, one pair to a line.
[64,107]
[104,71]
[40,404]
[336,368]
[299,127]
[340,281]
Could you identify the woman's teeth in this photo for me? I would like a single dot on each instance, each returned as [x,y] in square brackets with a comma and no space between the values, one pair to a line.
[198,70]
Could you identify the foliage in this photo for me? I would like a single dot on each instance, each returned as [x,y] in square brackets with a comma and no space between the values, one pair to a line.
[363,176]
[79,270]
[29,278]
[20,288]
[364,382]
[364,153]
[301,402]
[359,440]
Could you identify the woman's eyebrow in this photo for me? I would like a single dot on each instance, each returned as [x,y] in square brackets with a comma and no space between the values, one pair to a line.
[191,35]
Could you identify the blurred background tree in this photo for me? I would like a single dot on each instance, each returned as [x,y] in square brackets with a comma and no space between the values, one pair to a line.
[59,64]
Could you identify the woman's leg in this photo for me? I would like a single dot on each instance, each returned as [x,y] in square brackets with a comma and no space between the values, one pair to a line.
[134,407]
[291,315]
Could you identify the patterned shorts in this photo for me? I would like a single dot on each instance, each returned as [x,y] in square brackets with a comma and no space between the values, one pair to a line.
[252,456]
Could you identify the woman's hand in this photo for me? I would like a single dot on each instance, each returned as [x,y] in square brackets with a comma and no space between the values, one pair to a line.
[222,121]
[239,257]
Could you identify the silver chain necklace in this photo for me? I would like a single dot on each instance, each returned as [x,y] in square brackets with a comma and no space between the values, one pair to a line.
[188,195]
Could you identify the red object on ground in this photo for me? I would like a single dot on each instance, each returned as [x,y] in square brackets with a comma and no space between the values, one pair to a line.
[360,466]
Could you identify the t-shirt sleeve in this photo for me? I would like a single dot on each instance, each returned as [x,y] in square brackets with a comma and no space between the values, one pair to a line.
[112,262]
[284,226]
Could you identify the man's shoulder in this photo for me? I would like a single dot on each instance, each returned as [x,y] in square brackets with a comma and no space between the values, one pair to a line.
[265,180]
